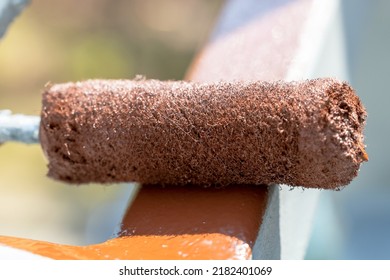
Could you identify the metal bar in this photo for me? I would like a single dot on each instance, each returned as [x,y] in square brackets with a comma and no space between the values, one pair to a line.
[19,128]
[9,9]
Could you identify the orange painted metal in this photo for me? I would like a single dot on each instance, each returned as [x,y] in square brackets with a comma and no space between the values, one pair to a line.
[195,247]
[183,222]
[227,220]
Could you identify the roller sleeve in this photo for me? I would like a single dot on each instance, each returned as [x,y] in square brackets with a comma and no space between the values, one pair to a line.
[307,133]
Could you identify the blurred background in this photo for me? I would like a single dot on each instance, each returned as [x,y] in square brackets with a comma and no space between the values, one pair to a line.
[61,41]
[72,40]
[355,222]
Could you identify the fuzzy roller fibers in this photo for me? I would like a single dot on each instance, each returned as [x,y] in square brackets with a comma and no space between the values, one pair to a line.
[306,133]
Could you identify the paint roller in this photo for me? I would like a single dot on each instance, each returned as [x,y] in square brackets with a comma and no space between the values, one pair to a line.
[302,133]
[306,133]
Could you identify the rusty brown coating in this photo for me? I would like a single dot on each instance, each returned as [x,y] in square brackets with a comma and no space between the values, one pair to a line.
[306,133]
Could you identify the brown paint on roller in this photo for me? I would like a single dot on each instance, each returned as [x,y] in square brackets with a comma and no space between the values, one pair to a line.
[305,133]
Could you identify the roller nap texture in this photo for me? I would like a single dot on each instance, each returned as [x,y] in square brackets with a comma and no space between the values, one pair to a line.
[306,133]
